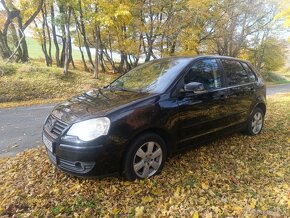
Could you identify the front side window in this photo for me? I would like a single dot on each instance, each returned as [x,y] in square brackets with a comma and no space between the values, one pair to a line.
[235,73]
[206,72]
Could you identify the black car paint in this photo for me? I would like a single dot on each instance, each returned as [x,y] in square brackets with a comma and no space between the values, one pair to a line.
[181,119]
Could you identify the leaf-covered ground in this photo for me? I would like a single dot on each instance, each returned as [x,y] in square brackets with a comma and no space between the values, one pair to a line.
[235,176]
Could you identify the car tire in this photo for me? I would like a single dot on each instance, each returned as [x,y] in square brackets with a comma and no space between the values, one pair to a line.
[255,122]
[145,157]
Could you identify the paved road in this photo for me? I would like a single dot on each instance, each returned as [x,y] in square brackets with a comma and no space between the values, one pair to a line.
[20,127]
[285,88]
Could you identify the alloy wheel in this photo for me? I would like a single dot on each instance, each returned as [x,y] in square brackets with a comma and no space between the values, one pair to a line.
[257,122]
[147,159]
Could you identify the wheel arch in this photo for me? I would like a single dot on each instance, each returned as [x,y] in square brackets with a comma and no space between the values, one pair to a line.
[262,106]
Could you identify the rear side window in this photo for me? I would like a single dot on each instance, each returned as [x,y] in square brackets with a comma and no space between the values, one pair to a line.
[251,74]
[235,73]
[206,72]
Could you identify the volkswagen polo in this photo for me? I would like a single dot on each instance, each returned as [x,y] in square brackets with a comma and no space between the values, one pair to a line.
[132,125]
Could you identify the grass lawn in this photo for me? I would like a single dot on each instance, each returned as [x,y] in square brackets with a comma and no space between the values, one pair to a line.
[237,176]
[24,84]
[35,50]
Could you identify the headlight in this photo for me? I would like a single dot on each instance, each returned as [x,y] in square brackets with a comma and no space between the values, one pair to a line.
[90,129]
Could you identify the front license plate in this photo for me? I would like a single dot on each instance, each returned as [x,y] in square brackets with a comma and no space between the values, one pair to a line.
[47,143]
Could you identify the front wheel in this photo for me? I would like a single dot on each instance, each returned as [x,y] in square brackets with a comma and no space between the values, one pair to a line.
[145,157]
[255,122]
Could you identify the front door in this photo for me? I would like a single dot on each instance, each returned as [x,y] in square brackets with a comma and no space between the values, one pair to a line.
[202,113]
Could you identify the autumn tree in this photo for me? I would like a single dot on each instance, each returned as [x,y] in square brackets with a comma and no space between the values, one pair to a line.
[284,13]
[15,24]
[114,35]
[269,55]
[237,22]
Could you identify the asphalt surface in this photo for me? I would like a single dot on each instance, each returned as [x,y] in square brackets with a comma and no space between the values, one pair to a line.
[21,127]
[284,88]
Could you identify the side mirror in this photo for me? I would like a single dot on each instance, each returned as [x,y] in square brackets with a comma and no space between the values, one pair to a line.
[195,87]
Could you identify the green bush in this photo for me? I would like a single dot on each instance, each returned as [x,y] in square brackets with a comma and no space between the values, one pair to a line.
[7,69]
[274,77]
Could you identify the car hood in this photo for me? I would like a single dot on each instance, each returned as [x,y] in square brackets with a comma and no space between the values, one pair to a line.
[95,103]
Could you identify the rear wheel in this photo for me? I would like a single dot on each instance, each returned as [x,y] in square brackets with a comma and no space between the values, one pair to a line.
[255,122]
[145,157]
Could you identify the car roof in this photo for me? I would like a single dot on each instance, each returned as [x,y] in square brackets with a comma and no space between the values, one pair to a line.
[203,56]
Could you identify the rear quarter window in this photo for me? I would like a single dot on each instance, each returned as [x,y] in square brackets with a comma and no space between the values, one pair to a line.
[235,73]
[251,74]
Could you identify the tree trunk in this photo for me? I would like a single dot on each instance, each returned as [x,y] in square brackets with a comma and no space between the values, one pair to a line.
[13,33]
[64,41]
[5,33]
[149,52]
[122,65]
[4,50]
[71,60]
[48,36]
[67,44]
[63,36]
[80,42]
[81,51]
[54,37]
[24,57]
[43,41]
[101,52]
[101,58]
[109,55]
[83,33]
[96,69]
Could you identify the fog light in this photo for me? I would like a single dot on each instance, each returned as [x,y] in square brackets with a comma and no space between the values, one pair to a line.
[78,165]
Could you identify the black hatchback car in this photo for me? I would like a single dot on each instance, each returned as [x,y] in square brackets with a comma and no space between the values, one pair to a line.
[154,110]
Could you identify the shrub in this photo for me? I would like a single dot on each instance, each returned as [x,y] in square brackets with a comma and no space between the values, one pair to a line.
[274,77]
[7,69]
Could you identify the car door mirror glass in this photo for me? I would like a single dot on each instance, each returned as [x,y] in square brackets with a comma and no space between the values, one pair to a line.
[195,87]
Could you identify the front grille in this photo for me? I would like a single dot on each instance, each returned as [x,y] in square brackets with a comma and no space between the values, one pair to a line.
[54,127]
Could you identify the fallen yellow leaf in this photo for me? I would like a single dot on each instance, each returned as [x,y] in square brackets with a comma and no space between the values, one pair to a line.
[139,212]
[147,199]
[195,215]
[205,185]
[253,203]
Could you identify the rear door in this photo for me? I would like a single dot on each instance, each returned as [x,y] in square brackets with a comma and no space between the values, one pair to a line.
[204,113]
[241,90]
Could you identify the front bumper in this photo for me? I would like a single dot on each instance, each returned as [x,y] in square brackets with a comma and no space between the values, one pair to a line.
[85,159]
[74,167]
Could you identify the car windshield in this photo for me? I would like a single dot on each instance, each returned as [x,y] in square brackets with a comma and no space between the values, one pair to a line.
[152,77]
